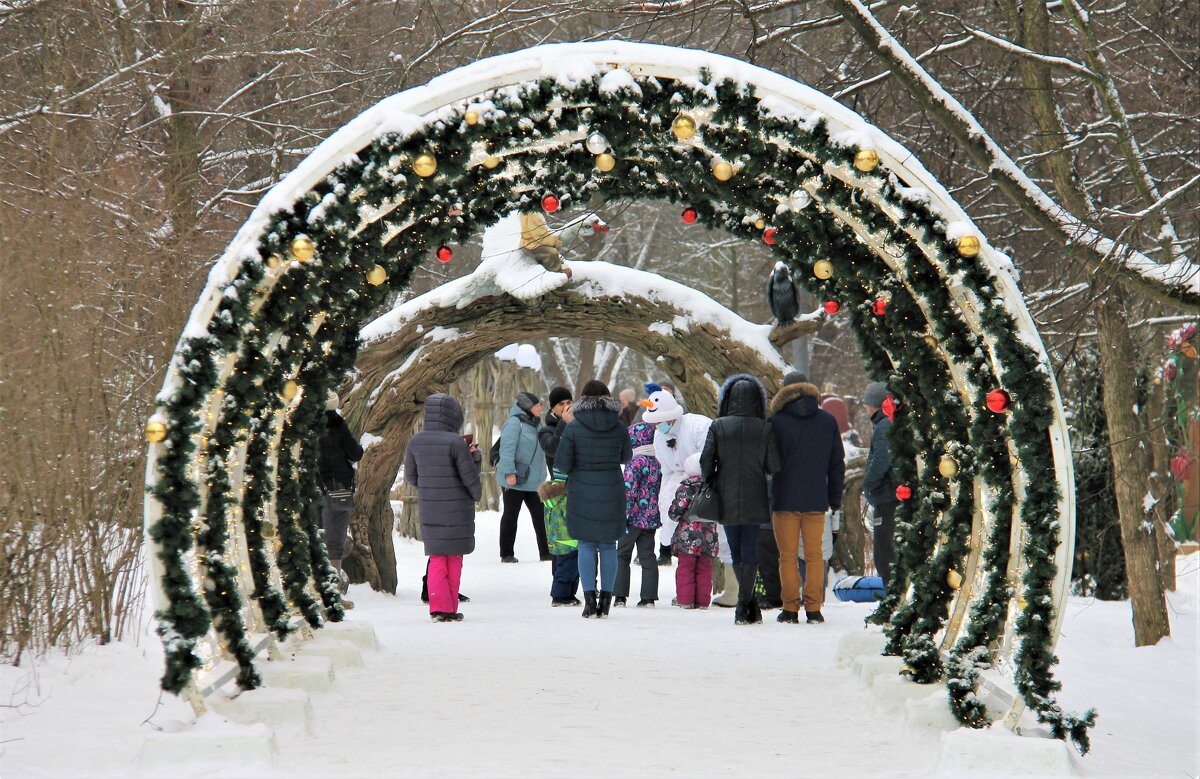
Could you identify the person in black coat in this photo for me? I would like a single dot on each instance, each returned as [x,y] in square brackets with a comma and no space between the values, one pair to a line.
[809,483]
[592,450]
[445,471]
[739,454]
[556,421]
[878,487]
[337,454]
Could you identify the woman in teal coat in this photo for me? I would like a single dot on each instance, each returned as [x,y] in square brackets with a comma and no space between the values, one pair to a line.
[520,470]
[592,450]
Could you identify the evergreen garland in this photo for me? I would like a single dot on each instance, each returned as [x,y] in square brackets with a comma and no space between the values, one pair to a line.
[771,154]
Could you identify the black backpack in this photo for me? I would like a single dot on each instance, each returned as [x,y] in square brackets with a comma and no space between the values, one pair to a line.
[494,453]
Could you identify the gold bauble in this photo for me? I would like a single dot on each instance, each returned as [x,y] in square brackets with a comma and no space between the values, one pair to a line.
[866,160]
[605,162]
[303,248]
[954,579]
[722,171]
[156,432]
[491,161]
[290,388]
[376,276]
[760,223]
[1022,603]
[823,269]
[274,261]
[969,246]
[931,341]
[425,165]
[948,467]
[684,126]
[268,530]
[471,117]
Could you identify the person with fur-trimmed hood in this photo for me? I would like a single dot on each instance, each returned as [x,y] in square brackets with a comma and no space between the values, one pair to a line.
[592,450]
[739,454]
[809,483]
[677,436]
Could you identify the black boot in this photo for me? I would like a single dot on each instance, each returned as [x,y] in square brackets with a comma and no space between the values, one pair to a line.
[740,617]
[814,617]
[743,614]
[589,604]
[789,616]
[604,604]
[664,555]
[755,613]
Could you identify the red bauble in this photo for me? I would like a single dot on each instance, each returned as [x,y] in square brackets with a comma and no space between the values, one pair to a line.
[879,307]
[904,492]
[550,204]
[444,254]
[831,307]
[998,401]
[889,408]
[689,216]
[769,236]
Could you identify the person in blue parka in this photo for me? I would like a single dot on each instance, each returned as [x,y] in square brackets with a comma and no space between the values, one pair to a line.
[520,471]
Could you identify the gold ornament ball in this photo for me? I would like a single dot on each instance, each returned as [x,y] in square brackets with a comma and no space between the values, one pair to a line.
[760,223]
[491,161]
[684,126]
[866,160]
[268,530]
[303,248]
[954,579]
[274,261]
[823,269]
[969,246]
[376,276]
[290,388]
[156,432]
[605,162]
[471,117]
[722,171]
[1022,603]
[931,341]
[425,165]
[948,467]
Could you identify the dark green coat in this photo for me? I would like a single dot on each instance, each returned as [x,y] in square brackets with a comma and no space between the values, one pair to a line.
[591,452]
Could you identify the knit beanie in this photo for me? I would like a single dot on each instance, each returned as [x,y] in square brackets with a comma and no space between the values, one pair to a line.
[558,395]
[795,377]
[526,401]
[875,394]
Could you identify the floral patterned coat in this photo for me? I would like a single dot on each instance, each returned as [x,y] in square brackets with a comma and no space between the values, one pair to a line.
[699,537]
[643,477]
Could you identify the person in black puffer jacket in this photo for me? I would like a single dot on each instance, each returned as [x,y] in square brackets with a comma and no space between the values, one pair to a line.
[878,487]
[441,465]
[592,450]
[338,452]
[809,483]
[739,454]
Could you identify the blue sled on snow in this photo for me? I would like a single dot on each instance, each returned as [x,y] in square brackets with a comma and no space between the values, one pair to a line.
[859,589]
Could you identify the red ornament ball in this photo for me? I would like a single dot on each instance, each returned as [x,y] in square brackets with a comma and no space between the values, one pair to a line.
[879,307]
[889,408]
[831,307]
[444,254]
[998,401]
[550,204]
[769,236]
[689,216]
[904,492]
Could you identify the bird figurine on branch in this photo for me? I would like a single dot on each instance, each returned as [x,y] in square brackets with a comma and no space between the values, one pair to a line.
[782,296]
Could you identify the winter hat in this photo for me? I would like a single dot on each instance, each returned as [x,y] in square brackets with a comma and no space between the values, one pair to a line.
[795,377]
[595,389]
[526,401]
[332,401]
[558,395]
[691,466]
[875,394]
[661,406]
[641,434]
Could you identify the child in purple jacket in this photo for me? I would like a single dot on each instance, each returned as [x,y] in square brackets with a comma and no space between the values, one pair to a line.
[643,477]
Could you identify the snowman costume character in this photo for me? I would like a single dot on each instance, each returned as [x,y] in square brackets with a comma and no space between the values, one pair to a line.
[677,436]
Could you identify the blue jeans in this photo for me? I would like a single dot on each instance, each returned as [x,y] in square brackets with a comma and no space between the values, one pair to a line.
[743,543]
[588,550]
[566,576]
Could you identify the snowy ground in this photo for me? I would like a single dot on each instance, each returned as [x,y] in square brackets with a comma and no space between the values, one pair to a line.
[521,689]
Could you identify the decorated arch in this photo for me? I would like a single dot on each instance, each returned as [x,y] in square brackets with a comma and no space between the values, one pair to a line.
[979,442]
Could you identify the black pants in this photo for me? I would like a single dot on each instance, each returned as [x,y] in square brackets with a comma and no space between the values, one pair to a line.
[768,563]
[508,521]
[643,540]
[885,555]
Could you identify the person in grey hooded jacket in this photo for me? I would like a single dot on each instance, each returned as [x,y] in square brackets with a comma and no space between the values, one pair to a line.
[441,465]
[520,470]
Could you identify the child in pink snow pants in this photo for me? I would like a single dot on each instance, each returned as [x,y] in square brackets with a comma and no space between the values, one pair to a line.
[696,542]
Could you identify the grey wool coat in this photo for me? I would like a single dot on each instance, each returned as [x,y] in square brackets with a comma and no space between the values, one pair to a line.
[592,450]
[439,464]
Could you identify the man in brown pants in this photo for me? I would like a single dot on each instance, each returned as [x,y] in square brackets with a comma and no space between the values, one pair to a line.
[808,484]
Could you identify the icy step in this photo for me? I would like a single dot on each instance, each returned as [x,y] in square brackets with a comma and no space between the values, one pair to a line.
[894,691]
[344,654]
[867,642]
[301,672]
[277,707]
[983,754]
[932,712]
[360,633]
[867,667]
[210,747]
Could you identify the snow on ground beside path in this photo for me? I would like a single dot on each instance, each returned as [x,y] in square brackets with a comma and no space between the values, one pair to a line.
[521,689]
